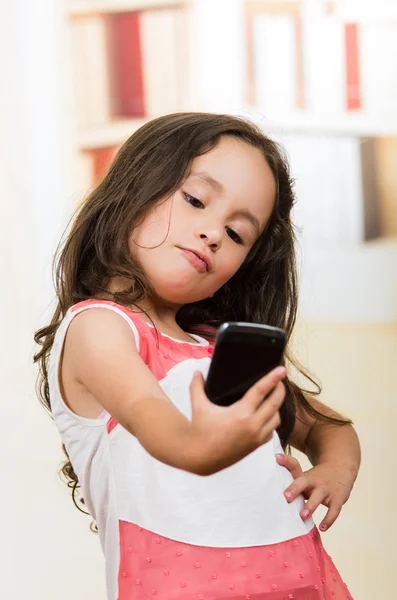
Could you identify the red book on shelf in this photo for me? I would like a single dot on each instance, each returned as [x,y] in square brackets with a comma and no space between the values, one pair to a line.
[101,159]
[353,88]
[300,99]
[125,63]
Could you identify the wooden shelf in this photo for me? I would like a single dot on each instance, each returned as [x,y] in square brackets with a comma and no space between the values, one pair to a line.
[305,123]
[86,7]
[112,134]
[284,6]
[115,133]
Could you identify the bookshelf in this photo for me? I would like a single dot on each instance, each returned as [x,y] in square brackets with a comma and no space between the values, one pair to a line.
[318,73]
[78,8]
[285,6]
[130,62]
[297,68]
[111,134]
[337,65]
[303,123]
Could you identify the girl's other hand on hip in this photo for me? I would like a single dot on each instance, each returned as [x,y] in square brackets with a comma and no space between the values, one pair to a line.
[325,484]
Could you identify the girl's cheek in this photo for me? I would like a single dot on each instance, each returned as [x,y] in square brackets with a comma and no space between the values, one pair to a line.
[228,271]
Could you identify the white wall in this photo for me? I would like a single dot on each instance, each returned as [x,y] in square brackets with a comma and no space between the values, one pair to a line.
[46,549]
[349,283]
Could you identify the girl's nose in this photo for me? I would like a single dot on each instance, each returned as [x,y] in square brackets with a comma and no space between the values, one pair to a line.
[213,238]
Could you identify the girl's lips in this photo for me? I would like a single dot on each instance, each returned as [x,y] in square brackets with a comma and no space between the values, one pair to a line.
[195,260]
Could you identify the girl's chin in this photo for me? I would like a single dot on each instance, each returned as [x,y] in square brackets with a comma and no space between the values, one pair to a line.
[181,286]
[180,294]
[182,299]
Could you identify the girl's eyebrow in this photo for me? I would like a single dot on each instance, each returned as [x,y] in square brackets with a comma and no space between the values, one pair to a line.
[209,180]
[245,213]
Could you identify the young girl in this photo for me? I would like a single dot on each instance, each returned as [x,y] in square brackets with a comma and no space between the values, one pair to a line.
[190,228]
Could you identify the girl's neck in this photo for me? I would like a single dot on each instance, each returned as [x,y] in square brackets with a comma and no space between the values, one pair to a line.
[164,319]
[156,312]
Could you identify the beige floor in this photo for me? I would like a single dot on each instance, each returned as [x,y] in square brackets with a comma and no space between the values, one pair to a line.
[46,548]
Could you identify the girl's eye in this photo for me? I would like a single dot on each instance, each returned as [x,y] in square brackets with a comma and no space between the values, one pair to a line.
[234,236]
[195,202]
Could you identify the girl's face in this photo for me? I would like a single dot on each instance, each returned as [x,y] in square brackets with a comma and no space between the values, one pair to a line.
[191,244]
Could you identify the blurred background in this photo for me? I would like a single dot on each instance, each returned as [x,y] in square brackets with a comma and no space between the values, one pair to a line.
[77,78]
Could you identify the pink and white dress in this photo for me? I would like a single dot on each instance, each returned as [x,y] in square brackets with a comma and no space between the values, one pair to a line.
[171,535]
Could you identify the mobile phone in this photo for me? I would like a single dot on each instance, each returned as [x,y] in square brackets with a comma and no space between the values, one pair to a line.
[243,353]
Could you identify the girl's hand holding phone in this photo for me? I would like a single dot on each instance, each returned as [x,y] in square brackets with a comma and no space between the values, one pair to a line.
[221,436]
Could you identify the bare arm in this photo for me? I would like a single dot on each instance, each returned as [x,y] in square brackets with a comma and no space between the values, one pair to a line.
[104,360]
[324,442]
[334,451]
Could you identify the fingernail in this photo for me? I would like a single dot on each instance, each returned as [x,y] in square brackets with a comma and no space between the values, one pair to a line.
[306,513]
[323,527]
[288,495]
[281,456]
[281,372]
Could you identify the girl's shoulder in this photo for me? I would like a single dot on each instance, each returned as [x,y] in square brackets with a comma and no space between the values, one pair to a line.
[159,351]
[133,315]
[134,318]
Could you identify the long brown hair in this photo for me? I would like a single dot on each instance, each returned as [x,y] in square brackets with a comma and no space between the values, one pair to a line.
[151,165]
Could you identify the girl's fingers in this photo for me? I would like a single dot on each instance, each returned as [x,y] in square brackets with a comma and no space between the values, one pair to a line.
[314,501]
[197,383]
[290,463]
[331,516]
[271,405]
[262,388]
[296,488]
[266,433]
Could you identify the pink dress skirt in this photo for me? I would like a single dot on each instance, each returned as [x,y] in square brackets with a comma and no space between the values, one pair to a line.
[152,566]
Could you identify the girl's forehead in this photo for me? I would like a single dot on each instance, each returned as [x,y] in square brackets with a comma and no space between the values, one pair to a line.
[238,171]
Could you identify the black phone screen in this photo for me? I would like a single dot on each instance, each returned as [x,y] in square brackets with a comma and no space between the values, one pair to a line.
[239,360]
